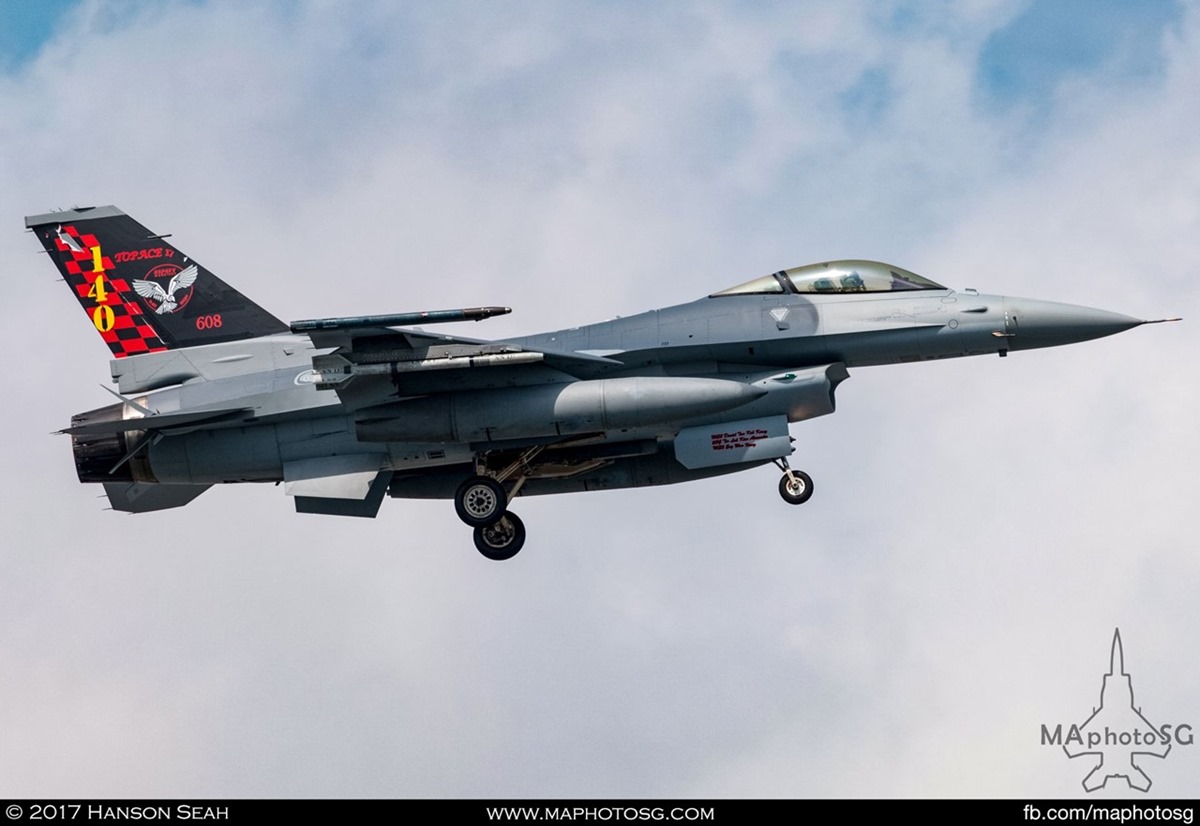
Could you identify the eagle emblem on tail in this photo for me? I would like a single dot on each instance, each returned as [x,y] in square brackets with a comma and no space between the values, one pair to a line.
[164,301]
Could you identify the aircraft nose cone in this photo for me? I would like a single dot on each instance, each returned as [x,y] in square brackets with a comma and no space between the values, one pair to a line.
[1031,323]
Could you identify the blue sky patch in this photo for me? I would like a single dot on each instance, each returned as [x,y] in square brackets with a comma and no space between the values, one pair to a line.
[25,28]
[1055,40]
[867,100]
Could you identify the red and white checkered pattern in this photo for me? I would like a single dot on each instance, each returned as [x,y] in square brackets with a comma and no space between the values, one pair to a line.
[130,334]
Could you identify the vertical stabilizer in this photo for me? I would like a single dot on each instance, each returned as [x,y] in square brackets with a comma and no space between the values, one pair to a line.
[1116,660]
[140,292]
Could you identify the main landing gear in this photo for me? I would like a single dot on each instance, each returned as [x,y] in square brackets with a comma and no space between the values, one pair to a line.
[796,486]
[482,503]
[502,539]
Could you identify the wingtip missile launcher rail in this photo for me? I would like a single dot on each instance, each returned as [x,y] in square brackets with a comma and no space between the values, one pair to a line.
[358,322]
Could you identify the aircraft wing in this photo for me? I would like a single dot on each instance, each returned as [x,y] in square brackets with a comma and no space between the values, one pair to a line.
[375,364]
[577,365]
[580,365]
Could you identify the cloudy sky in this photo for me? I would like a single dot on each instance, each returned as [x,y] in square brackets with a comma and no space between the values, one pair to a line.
[979,527]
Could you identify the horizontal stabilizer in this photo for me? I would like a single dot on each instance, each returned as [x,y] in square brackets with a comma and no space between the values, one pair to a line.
[139,497]
[161,421]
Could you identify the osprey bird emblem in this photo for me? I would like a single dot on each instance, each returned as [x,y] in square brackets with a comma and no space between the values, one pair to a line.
[165,299]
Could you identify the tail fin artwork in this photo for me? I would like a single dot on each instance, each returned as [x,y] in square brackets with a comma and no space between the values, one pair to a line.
[139,292]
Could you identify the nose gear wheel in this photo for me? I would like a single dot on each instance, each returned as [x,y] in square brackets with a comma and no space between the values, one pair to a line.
[796,486]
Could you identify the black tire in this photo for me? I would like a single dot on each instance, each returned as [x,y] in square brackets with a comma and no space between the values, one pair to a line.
[796,492]
[503,539]
[480,501]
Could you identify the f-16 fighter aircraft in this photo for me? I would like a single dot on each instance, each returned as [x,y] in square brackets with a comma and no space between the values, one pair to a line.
[344,411]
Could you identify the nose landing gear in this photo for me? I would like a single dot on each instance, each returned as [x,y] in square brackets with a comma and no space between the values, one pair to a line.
[796,486]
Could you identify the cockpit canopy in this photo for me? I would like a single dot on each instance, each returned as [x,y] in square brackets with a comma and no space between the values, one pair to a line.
[835,277]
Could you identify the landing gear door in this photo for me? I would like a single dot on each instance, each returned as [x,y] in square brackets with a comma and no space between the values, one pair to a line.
[731,443]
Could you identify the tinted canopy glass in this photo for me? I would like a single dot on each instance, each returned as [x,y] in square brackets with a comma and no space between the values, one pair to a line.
[836,277]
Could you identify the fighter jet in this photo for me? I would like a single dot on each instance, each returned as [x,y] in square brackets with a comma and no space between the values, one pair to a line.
[213,388]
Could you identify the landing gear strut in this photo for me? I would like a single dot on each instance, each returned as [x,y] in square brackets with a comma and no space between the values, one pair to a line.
[482,503]
[796,486]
